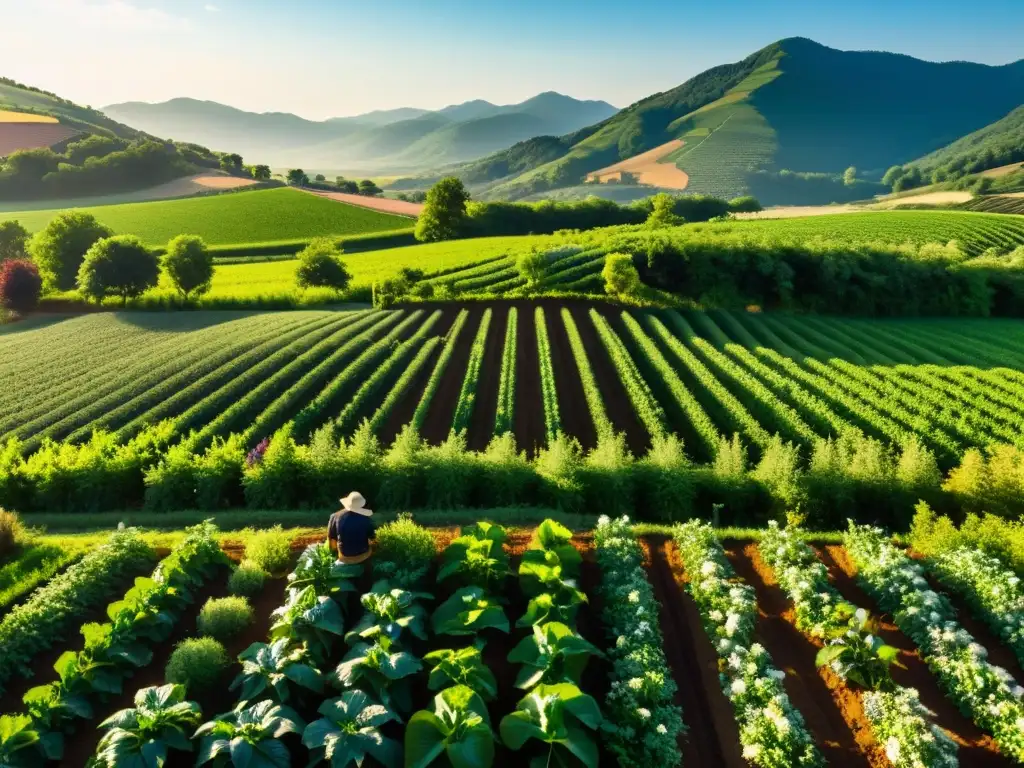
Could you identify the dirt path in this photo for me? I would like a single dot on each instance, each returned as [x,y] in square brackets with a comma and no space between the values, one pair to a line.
[976,748]
[382,204]
[438,423]
[647,168]
[529,413]
[485,407]
[794,654]
[711,737]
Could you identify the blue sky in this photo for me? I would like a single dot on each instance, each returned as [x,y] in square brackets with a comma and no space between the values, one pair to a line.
[321,58]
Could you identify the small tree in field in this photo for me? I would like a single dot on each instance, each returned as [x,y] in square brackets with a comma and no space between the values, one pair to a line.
[58,250]
[745,204]
[850,176]
[620,275]
[118,266]
[663,212]
[231,163]
[189,265]
[444,214]
[261,172]
[320,177]
[533,267]
[20,285]
[368,188]
[13,238]
[320,266]
[297,177]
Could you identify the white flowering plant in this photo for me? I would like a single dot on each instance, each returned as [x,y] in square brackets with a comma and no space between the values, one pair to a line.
[772,732]
[642,723]
[993,592]
[900,724]
[987,693]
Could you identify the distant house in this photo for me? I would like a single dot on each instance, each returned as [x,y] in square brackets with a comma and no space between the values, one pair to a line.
[20,130]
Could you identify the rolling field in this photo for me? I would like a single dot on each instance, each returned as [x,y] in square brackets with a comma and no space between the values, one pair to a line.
[952,385]
[1012,203]
[262,216]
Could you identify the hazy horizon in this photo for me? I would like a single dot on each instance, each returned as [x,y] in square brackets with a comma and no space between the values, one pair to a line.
[322,59]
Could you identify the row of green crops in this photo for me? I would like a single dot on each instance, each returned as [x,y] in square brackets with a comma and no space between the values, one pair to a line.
[549,391]
[468,396]
[503,419]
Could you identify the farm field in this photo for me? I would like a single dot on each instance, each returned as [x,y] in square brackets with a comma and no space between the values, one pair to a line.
[1010,203]
[522,624]
[258,216]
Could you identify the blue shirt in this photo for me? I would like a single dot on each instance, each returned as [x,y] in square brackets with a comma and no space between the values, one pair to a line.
[352,532]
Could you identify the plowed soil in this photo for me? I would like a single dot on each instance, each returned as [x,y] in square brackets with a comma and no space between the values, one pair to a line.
[529,410]
[572,402]
[384,204]
[485,405]
[438,423]
[647,168]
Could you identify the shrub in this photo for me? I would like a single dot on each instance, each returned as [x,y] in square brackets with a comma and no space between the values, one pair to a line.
[11,531]
[620,275]
[404,551]
[745,204]
[247,579]
[60,248]
[533,267]
[320,266]
[270,549]
[225,617]
[663,213]
[20,285]
[189,265]
[13,238]
[198,664]
[118,266]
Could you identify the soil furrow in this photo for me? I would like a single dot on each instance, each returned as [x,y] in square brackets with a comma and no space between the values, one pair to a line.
[438,423]
[529,412]
[485,408]
[572,401]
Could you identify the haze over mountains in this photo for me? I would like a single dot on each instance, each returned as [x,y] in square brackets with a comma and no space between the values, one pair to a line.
[404,138]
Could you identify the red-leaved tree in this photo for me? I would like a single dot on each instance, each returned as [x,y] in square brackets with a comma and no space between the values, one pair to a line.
[20,285]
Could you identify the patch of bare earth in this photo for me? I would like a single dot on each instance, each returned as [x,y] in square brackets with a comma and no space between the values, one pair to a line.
[1002,170]
[382,204]
[647,168]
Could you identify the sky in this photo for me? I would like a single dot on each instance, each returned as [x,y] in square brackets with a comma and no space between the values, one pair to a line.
[327,58]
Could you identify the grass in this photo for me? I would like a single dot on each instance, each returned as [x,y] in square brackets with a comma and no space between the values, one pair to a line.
[36,564]
[263,216]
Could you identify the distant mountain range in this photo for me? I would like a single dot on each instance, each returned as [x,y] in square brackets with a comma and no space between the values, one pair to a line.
[782,124]
[404,139]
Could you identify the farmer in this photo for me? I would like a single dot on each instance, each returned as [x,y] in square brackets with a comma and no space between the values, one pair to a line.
[350,530]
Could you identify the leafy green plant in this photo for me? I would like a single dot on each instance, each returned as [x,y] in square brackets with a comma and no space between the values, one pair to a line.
[857,653]
[468,611]
[554,653]
[477,556]
[388,612]
[274,671]
[19,742]
[562,605]
[386,674]
[270,549]
[552,536]
[225,617]
[247,579]
[311,619]
[53,710]
[319,567]
[197,664]
[144,735]
[404,552]
[349,731]
[248,737]
[462,666]
[558,716]
[542,570]
[458,728]
[11,531]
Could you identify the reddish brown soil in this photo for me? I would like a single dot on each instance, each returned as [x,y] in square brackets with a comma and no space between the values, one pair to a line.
[793,653]
[528,418]
[613,393]
[485,406]
[572,401]
[438,423]
[976,748]
[712,737]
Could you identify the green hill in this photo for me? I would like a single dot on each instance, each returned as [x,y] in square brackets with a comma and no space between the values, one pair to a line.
[794,106]
[17,97]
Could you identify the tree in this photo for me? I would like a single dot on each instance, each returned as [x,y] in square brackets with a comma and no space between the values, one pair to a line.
[189,265]
[850,176]
[368,188]
[320,177]
[118,266]
[20,285]
[892,175]
[59,249]
[663,212]
[297,177]
[620,275]
[13,238]
[349,187]
[745,204]
[444,214]
[320,266]
[261,172]
[231,163]
[533,267]
[32,164]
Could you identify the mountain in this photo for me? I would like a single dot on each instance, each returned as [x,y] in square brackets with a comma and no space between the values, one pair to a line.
[994,146]
[405,138]
[786,120]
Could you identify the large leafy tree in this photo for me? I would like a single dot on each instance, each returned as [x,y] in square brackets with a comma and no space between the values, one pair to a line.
[59,249]
[444,214]
[118,266]
[297,177]
[13,238]
[189,265]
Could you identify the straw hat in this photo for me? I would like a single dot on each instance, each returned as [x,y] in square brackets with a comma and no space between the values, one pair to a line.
[355,502]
